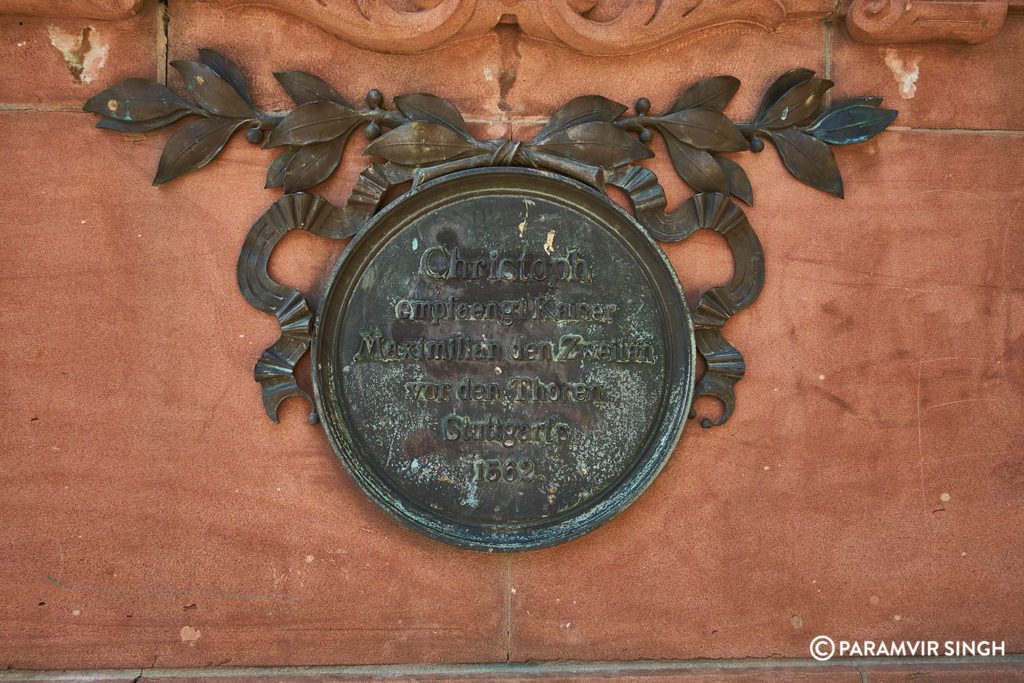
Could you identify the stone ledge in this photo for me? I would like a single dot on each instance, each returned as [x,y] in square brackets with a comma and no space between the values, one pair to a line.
[1010,668]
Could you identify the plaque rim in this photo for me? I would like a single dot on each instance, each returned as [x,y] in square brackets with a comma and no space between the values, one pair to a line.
[620,493]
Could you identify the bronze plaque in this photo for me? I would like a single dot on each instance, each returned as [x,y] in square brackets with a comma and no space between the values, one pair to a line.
[504,359]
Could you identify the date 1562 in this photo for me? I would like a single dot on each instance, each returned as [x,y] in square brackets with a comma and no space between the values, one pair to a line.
[510,471]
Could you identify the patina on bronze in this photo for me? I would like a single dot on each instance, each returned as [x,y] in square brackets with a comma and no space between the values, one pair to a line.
[410,324]
[504,359]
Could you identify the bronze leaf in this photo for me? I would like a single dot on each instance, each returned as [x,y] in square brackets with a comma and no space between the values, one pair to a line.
[193,146]
[423,143]
[227,70]
[304,87]
[703,129]
[141,126]
[583,109]
[597,143]
[809,160]
[313,122]
[852,124]
[796,106]
[696,167]
[211,91]
[739,183]
[424,107]
[275,173]
[136,100]
[313,164]
[781,85]
[712,93]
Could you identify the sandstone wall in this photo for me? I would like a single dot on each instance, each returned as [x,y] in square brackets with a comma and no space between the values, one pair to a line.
[868,486]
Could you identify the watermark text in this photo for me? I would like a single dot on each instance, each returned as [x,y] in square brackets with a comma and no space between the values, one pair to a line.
[824,648]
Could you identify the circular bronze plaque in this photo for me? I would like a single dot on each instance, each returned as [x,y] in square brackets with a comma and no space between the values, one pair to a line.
[504,359]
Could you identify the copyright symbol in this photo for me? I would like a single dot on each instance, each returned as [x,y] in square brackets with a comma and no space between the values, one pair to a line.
[822,648]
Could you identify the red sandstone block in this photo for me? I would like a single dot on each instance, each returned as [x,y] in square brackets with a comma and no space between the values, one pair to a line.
[815,509]
[938,86]
[546,76]
[626,673]
[263,40]
[57,61]
[153,514]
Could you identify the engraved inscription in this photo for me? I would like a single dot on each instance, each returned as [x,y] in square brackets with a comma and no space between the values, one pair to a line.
[568,347]
[503,359]
[536,390]
[442,263]
[505,312]
[508,434]
[459,347]
[509,471]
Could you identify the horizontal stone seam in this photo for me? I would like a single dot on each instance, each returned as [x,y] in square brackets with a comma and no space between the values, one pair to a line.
[533,669]
[959,131]
[42,108]
[536,120]
[469,118]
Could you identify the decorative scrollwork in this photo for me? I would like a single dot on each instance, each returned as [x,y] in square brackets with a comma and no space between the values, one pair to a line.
[591,27]
[588,139]
[275,369]
[705,211]
[922,21]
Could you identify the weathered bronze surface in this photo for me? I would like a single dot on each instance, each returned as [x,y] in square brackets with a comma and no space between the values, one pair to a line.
[503,359]
[580,437]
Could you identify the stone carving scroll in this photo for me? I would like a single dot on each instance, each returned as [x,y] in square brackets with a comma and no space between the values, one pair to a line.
[591,27]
